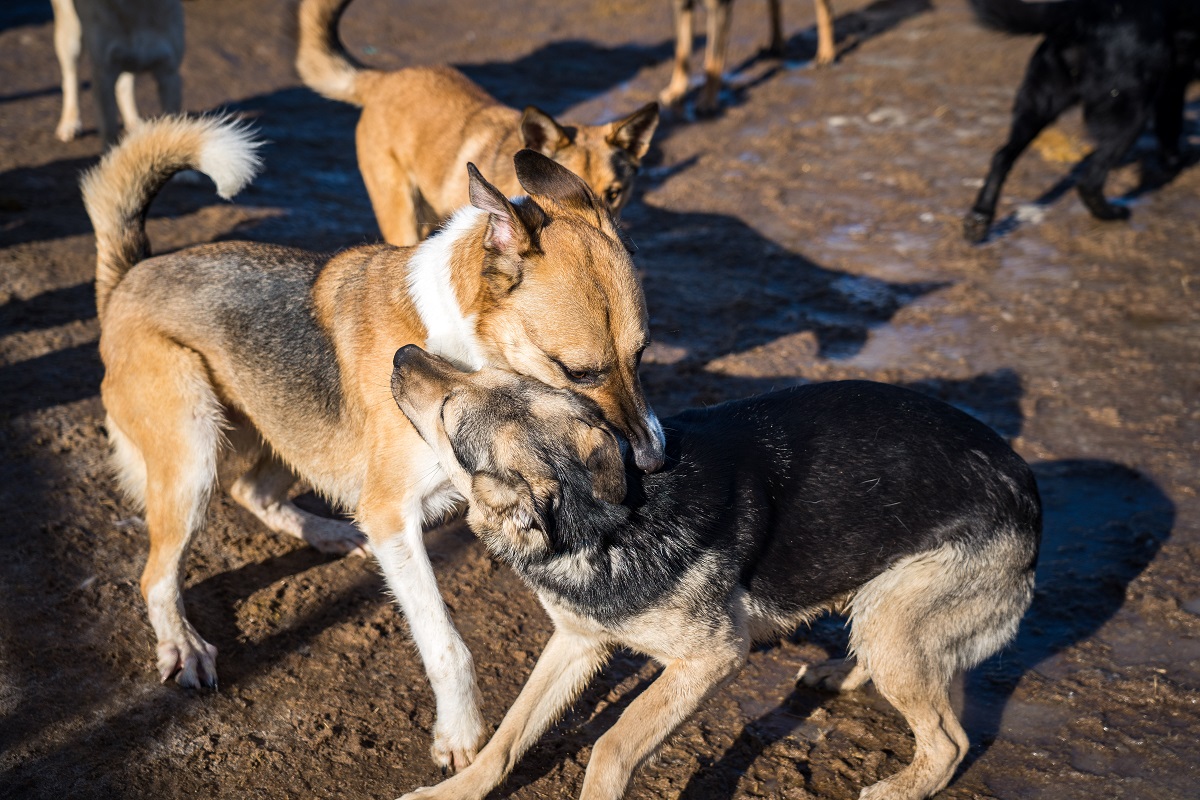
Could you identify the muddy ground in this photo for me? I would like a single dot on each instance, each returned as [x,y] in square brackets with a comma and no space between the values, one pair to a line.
[811,232]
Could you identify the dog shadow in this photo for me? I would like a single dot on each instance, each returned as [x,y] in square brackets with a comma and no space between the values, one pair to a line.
[19,13]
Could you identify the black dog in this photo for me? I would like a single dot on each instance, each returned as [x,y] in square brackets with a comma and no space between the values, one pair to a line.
[1124,60]
[910,515]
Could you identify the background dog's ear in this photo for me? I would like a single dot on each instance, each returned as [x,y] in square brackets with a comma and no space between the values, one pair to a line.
[633,134]
[601,456]
[543,176]
[540,132]
[511,232]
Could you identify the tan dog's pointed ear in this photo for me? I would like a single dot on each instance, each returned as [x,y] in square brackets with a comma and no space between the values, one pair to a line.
[511,232]
[601,456]
[543,176]
[633,134]
[540,132]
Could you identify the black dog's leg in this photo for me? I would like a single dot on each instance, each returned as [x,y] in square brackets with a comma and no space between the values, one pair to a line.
[1168,119]
[1121,126]
[1046,92]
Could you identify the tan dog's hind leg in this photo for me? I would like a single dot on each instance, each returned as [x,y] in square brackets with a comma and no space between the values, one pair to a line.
[263,491]
[127,102]
[834,675]
[68,44]
[719,20]
[677,88]
[391,192]
[165,425]
[653,716]
[826,52]
[563,670]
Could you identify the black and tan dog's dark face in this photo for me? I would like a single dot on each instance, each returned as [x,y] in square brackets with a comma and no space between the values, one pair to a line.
[506,442]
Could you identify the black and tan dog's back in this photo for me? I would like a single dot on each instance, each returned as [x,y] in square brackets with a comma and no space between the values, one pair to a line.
[916,519]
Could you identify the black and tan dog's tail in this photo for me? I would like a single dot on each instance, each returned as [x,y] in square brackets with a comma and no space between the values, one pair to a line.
[1025,18]
[322,60]
[117,191]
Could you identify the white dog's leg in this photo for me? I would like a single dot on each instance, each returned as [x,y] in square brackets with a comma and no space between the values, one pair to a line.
[68,43]
[127,101]
[448,663]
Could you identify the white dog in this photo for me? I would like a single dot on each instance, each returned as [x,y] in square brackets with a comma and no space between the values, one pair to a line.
[123,37]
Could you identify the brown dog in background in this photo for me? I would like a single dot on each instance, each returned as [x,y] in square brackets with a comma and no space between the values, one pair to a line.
[420,126]
[123,37]
[717,41]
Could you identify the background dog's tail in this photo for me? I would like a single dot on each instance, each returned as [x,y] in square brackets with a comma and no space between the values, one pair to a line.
[117,191]
[1021,17]
[322,61]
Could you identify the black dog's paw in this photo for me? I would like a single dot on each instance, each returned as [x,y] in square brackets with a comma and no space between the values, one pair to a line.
[976,225]
[1100,207]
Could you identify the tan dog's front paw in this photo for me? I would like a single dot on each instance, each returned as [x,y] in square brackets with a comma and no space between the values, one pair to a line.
[68,129]
[191,660]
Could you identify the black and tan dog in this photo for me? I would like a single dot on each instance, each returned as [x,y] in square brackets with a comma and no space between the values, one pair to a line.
[912,516]
[1125,62]
[421,125]
[285,355]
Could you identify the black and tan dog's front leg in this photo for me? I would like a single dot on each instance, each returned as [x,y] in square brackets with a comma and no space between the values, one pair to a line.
[566,665]
[656,714]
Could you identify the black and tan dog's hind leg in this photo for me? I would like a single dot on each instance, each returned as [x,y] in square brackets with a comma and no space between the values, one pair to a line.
[921,623]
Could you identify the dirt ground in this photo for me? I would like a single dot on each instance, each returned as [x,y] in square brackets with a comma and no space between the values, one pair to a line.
[811,232]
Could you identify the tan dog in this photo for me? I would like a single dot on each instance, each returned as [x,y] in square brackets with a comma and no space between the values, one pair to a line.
[719,19]
[123,37]
[285,355]
[420,126]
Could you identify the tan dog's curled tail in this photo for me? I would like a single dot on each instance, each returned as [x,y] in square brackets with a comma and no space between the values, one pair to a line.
[118,190]
[322,60]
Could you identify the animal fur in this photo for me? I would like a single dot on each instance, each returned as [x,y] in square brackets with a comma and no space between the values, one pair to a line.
[420,126]
[282,355]
[916,518]
[1125,62]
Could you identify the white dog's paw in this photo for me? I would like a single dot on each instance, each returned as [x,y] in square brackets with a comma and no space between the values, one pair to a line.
[191,660]
[68,129]
[834,675]
[455,746]
[424,793]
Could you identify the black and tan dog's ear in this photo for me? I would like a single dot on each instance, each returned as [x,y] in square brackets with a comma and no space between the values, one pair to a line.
[633,134]
[510,512]
[540,132]
[601,455]
[512,231]
[545,177]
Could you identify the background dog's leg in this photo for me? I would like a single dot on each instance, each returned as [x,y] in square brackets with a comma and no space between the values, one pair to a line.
[391,192]
[677,88]
[1117,127]
[834,675]
[653,716]
[170,90]
[263,491]
[566,665]
[776,47]
[127,101]
[68,43]
[826,52]
[104,87]
[1168,118]
[397,541]
[1046,92]
[719,20]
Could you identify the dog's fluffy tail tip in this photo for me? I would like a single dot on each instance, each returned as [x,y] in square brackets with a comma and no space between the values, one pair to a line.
[229,154]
